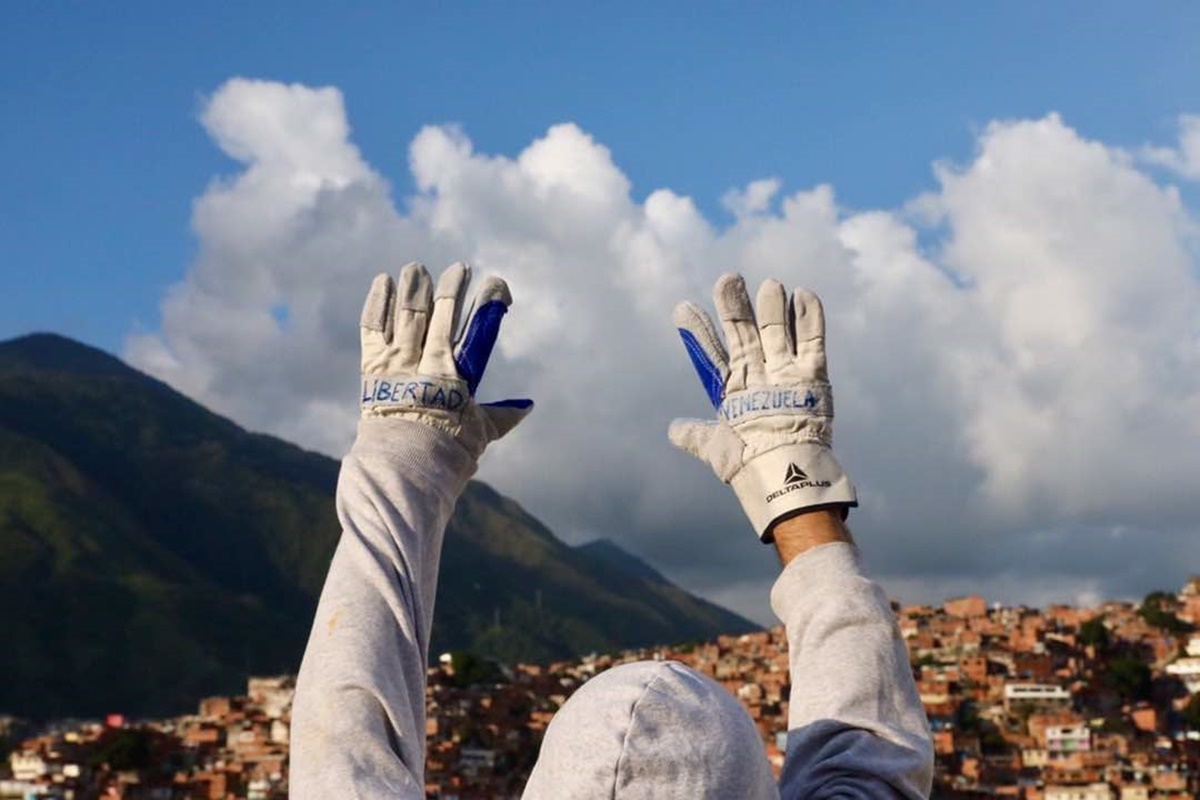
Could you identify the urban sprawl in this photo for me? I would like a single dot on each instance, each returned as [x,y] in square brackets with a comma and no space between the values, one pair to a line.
[1063,703]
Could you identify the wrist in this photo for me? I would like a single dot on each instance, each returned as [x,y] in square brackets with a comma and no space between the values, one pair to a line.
[809,528]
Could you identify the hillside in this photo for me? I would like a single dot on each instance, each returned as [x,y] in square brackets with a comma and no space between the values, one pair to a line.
[152,552]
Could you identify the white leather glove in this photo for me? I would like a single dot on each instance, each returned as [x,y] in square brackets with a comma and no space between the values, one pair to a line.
[774,424]
[411,367]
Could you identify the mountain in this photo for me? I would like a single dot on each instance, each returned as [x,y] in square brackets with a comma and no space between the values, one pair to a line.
[500,565]
[153,552]
[608,552]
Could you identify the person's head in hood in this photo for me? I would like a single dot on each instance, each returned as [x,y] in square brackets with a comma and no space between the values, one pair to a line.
[652,729]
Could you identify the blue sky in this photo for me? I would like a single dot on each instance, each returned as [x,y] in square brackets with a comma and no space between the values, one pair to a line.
[218,233]
[102,154]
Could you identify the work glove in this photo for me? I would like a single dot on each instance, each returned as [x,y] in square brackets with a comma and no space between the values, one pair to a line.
[416,366]
[774,424]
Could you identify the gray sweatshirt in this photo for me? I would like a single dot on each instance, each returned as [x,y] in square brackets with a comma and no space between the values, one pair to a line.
[856,728]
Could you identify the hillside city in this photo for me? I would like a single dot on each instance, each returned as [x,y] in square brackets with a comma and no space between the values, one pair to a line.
[1063,703]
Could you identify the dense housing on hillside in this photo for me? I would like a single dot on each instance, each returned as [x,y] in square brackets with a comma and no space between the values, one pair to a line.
[1057,704]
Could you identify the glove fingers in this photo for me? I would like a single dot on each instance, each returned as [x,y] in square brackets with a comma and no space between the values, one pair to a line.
[746,366]
[505,415]
[692,436]
[704,347]
[375,326]
[810,336]
[479,338]
[437,358]
[414,295]
[775,330]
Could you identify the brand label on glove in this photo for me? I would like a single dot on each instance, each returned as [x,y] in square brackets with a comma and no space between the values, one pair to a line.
[412,392]
[794,480]
[814,400]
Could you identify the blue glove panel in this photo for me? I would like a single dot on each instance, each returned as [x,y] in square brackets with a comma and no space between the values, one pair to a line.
[710,376]
[521,403]
[472,357]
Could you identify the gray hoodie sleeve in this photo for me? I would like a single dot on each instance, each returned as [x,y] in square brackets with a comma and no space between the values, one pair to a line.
[358,720]
[856,727]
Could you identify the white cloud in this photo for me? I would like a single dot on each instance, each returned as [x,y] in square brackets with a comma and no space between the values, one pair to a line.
[1082,356]
[754,199]
[1014,353]
[1183,159]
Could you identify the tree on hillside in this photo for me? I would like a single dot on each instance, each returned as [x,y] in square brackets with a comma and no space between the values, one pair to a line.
[1094,633]
[1130,677]
[472,670]
[1191,713]
[1158,609]
[130,749]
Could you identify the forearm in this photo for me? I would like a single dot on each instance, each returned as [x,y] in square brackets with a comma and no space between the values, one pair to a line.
[856,725]
[358,724]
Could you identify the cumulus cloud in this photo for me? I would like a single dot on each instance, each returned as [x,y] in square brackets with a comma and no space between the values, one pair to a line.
[1184,158]
[1014,353]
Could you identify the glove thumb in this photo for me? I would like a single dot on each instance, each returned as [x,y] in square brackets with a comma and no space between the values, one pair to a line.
[692,436]
[504,415]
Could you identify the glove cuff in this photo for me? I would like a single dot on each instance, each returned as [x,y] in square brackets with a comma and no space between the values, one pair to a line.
[788,479]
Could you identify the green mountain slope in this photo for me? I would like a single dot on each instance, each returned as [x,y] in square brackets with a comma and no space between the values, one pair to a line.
[152,552]
[607,552]
[519,593]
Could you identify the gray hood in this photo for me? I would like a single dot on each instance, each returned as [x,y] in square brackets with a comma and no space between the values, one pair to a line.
[652,729]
